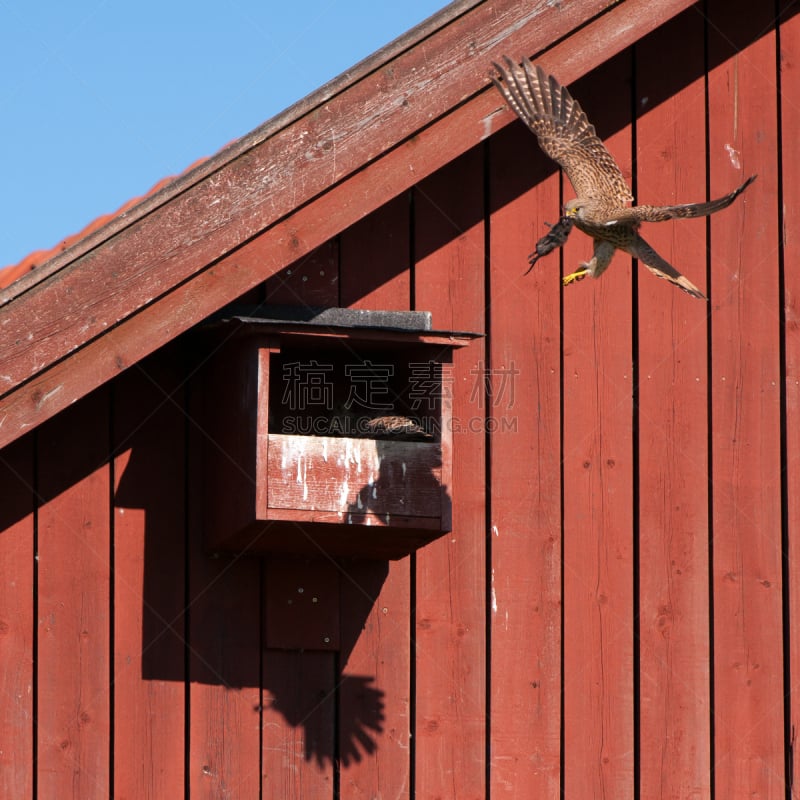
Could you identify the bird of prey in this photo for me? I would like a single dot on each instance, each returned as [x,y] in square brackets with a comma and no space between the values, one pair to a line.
[601,208]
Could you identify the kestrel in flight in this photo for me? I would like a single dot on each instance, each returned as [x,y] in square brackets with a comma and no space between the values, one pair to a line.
[601,208]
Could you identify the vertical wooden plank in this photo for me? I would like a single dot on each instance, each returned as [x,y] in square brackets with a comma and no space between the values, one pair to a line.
[224,749]
[745,385]
[299,725]
[149,581]
[374,713]
[790,123]
[225,702]
[312,280]
[300,681]
[525,449]
[376,597]
[375,259]
[16,620]
[674,676]
[74,596]
[451,572]
[598,488]
[299,689]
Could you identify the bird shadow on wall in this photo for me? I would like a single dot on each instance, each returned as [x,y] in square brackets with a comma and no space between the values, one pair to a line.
[314,615]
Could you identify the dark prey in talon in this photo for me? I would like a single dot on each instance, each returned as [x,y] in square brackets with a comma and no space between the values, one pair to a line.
[555,238]
[601,209]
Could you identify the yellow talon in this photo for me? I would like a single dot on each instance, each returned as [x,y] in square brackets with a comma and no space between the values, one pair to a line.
[574,277]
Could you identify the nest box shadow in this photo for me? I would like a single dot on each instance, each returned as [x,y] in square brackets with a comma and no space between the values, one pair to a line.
[283,625]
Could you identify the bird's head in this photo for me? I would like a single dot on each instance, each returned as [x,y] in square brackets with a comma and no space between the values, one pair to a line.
[574,208]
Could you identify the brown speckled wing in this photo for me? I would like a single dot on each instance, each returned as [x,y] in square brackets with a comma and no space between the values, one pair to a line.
[663,213]
[661,268]
[564,132]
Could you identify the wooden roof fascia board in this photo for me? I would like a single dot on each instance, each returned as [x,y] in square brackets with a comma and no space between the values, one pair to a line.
[208,166]
[310,225]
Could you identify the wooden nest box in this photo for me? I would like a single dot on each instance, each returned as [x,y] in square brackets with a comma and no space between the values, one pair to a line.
[329,434]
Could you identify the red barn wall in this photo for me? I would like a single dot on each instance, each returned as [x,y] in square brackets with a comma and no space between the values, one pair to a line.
[613,614]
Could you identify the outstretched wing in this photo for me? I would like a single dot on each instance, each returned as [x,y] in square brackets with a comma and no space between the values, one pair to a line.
[563,131]
[661,268]
[662,213]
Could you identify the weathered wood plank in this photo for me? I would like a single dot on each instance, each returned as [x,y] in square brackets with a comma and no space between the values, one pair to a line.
[299,689]
[17,626]
[299,726]
[789,101]
[312,280]
[74,698]
[224,749]
[181,303]
[354,476]
[674,680]
[598,488]
[450,735]
[374,700]
[376,604]
[149,582]
[745,390]
[301,604]
[376,254]
[524,335]
[225,702]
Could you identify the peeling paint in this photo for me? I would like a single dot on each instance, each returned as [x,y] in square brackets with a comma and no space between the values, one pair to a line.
[733,154]
[47,395]
[357,473]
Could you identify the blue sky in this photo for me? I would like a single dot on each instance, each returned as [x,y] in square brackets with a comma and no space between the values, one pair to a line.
[101,99]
